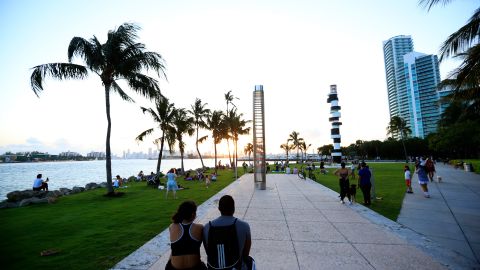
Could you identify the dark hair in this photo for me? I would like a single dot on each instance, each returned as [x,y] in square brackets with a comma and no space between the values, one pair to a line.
[39,175]
[226,205]
[364,164]
[342,164]
[185,210]
[407,168]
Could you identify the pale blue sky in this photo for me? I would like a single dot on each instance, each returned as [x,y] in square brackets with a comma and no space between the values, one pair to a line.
[296,49]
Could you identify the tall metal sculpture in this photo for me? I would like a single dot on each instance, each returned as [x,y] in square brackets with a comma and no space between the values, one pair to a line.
[259,138]
[335,120]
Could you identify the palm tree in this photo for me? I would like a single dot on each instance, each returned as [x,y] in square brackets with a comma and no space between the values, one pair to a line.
[200,114]
[237,128]
[462,44]
[287,147]
[216,124]
[399,126]
[303,148]
[183,125]
[296,141]
[120,57]
[229,99]
[163,117]
[248,150]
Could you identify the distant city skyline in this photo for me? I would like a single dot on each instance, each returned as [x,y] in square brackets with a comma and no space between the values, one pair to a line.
[295,49]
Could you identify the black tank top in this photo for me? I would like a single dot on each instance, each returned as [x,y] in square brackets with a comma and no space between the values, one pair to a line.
[186,244]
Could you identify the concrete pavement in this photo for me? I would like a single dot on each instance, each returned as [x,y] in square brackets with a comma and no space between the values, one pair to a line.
[451,217]
[300,224]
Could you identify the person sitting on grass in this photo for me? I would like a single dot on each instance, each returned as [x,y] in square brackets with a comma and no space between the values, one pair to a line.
[117,183]
[39,184]
[213,177]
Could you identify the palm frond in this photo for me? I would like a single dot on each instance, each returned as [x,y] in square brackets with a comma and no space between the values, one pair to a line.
[152,113]
[59,71]
[463,38]
[428,4]
[116,88]
[142,135]
[202,139]
[144,85]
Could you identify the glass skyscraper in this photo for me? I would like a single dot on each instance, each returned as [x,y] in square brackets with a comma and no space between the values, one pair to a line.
[412,80]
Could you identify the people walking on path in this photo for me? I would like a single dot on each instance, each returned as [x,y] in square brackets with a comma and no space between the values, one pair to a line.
[185,239]
[408,178]
[171,183]
[430,167]
[364,183]
[343,174]
[421,171]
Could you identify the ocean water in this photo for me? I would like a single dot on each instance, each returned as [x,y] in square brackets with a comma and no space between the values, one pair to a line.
[20,176]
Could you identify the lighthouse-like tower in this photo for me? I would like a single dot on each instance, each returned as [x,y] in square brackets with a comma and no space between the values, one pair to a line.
[335,120]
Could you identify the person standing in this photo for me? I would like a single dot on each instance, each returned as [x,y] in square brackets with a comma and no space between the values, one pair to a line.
[408,179]
[39,184]
[171,183]
[185,239]
[364,183]
[343,174]
[227,239]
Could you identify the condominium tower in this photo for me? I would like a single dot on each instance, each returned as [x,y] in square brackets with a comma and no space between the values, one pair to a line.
[412,80]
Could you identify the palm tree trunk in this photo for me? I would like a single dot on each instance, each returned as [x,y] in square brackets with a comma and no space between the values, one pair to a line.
[198,151]
[405,150]
[215,147]
[108,154]
[181,158]
[236,157]
[229,156]
[159,161]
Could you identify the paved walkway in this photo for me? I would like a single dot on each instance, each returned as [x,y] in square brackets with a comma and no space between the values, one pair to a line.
[298,224]
[451,217]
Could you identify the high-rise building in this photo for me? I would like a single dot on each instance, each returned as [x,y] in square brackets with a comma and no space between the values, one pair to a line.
[422,76]
[412,80]
[393,50]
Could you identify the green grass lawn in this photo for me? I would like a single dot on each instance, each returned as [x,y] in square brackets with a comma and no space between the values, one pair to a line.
[92,231]
[95,232]
[389,186]
[475,163]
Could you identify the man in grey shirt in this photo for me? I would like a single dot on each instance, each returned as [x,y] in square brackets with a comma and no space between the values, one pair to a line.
[226,205]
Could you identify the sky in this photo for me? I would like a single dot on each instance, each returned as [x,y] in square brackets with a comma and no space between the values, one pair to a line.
[295,49]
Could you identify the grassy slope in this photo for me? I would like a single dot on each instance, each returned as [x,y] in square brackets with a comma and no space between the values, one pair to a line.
[90,230]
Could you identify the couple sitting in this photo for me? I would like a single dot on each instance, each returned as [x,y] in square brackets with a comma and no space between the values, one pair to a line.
[227,240]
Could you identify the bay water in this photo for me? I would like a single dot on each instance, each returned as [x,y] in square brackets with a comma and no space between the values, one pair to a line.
[20,176]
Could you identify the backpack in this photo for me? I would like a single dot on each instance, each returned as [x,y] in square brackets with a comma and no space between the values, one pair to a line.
[223,251]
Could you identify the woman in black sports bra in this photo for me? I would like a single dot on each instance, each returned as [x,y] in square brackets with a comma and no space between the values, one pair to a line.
[185,239]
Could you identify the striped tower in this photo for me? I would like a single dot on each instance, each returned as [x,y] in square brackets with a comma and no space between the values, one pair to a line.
[335,120]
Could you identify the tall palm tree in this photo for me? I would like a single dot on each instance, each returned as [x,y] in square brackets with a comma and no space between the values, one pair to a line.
[237,128]
[121,57]
[183,125]
[287,147]
[463,44]
[229,99]
[399,126]
[248,150]
[303,148]
[296,141]
[163,116]
[200,114]
[216,125]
